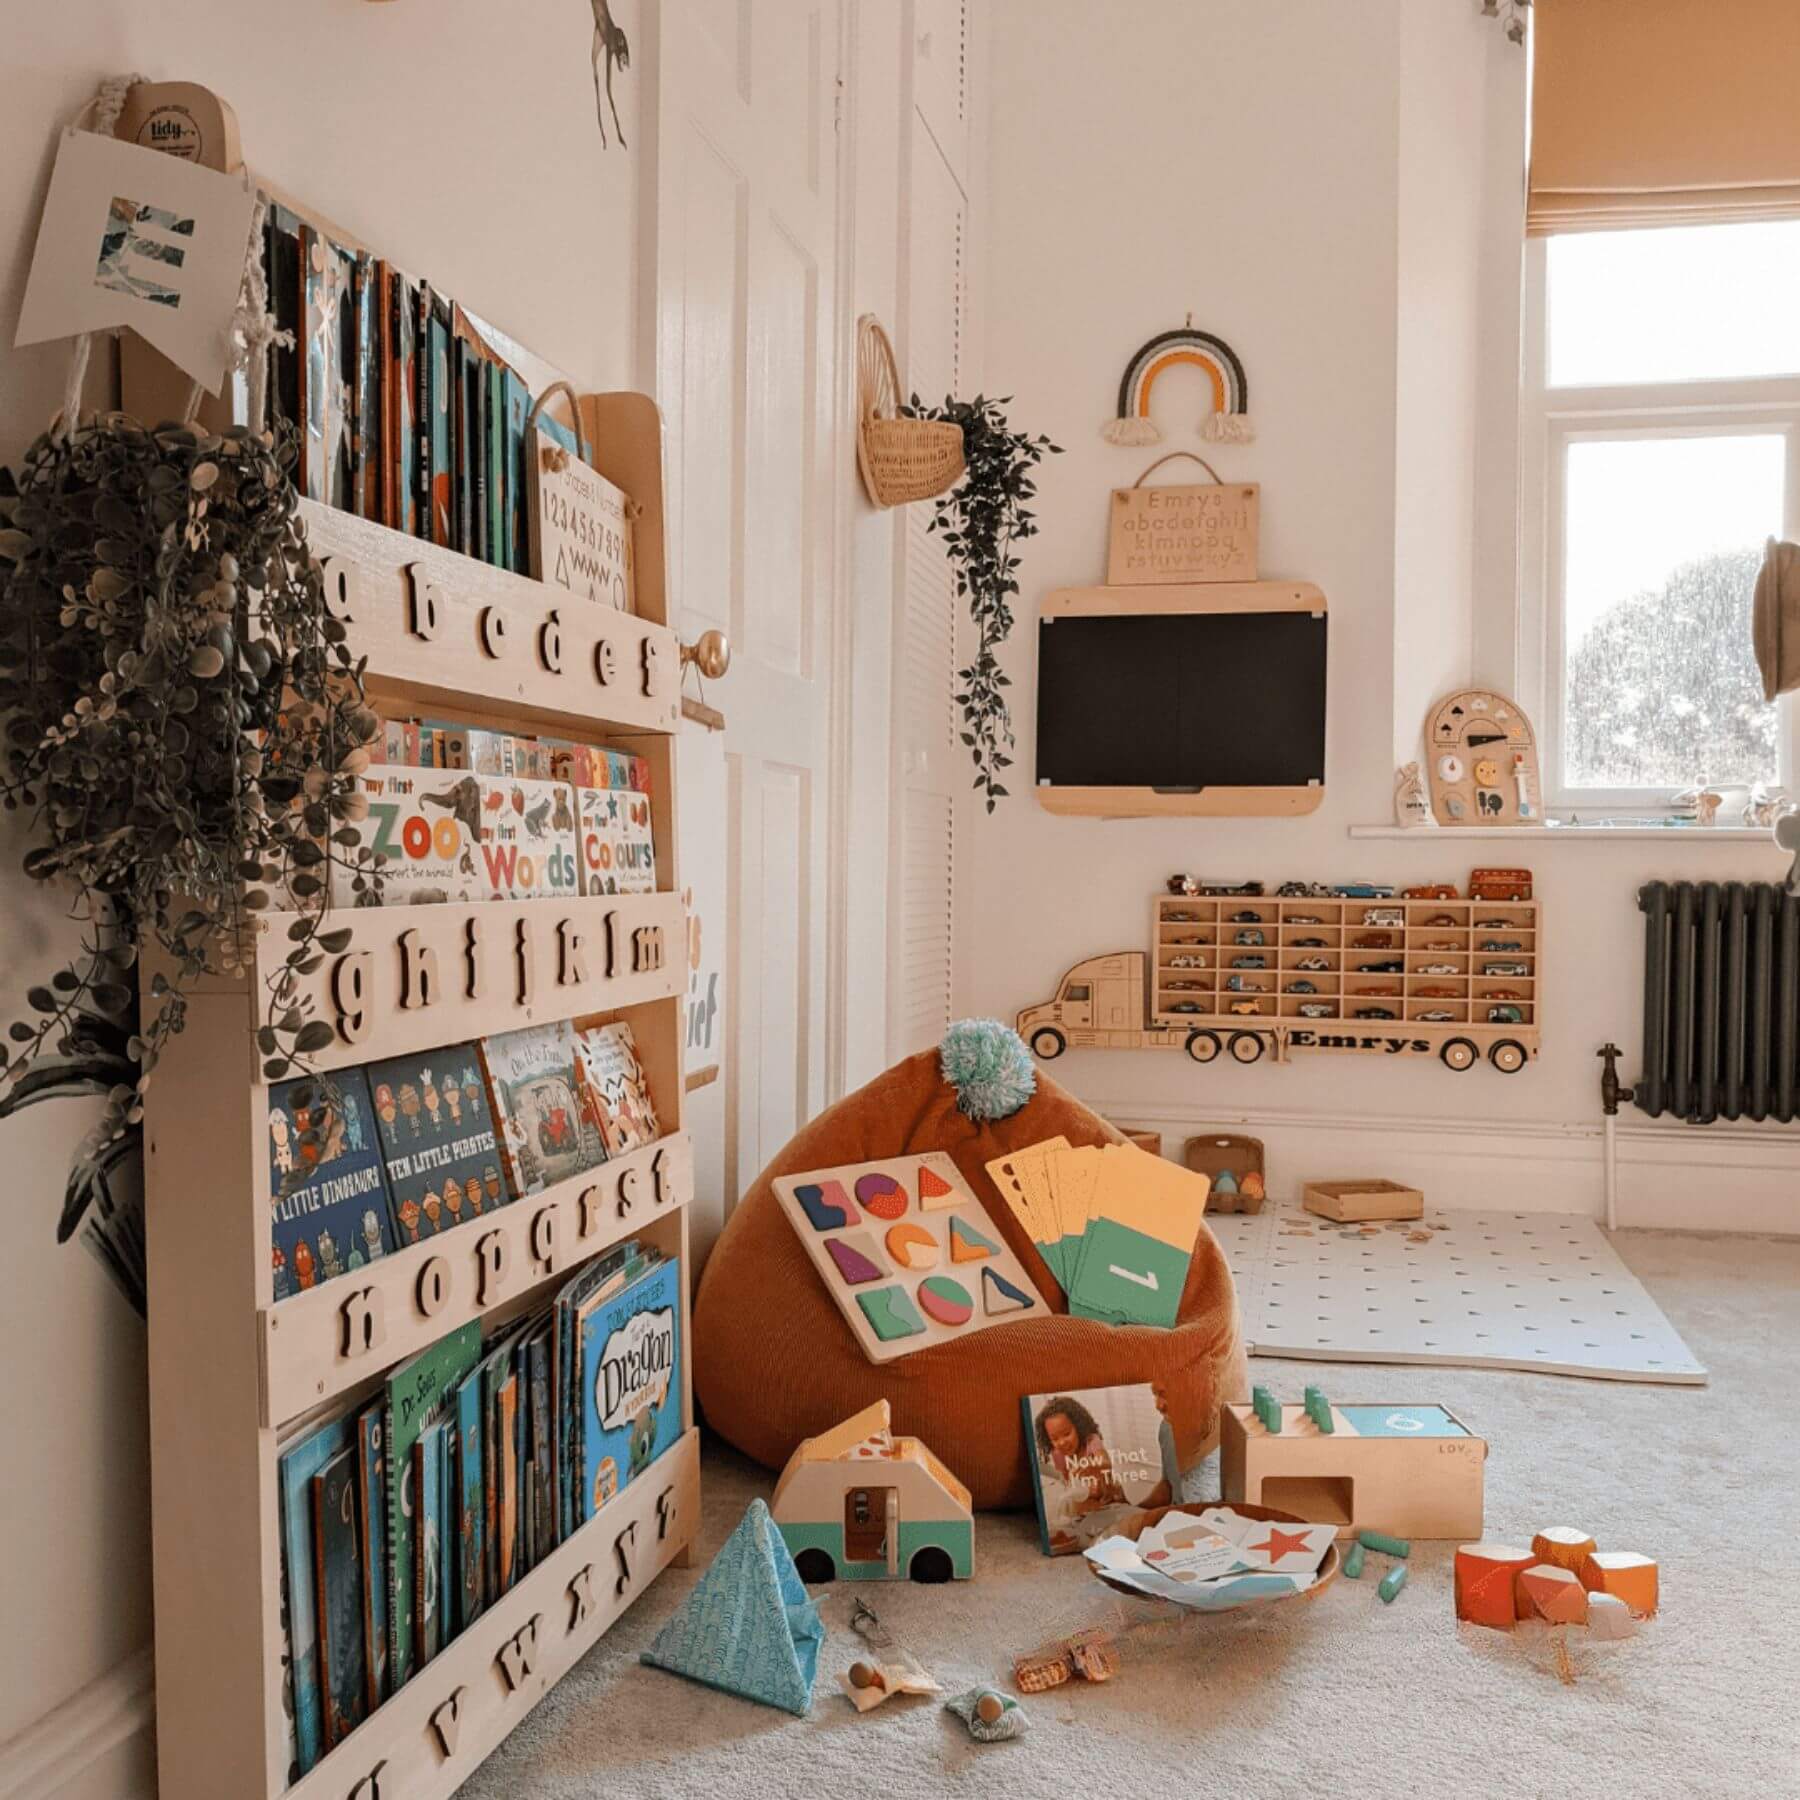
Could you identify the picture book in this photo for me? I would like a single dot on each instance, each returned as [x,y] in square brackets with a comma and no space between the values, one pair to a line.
[630,1394]
[328,351]
[403,374]
[541,1535]
[603,1276]
[527,843]
[366,436]
[428,1537]
[461,443]
[386,280]
[371,1519]
[442,433]
[593,765]
[492,1372]
[449,1574]
[499,511]
[400,742]
[294,1472]
[423,831]
[421,300]
[507,1466]
[518,524]
[618,853]
[327,1193]
[282,259]
[416,1394]
[1096,1454]
[470,1518]
[906,1252]
[337,1566]
[623,1110]
[544,1115]
[437,1139]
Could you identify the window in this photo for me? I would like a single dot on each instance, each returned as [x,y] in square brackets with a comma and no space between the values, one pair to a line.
[1661,441]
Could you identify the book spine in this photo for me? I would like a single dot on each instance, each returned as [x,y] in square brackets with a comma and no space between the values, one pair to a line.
[387,282]
[422,465]
[398,1669]
[499,552]
[478,454]
[462,439]
[335,1729]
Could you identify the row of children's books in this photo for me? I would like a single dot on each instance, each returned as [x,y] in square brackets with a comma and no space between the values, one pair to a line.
[458,813]
[403,1520]
[408,412]
[368,1160]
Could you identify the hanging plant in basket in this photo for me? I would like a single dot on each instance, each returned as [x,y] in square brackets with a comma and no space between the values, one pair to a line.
[981,519]
[183,724]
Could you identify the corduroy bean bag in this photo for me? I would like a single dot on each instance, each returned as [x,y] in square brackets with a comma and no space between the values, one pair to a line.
[774,1361]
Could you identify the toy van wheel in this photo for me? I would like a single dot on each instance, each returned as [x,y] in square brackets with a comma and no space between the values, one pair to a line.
[1048,1044]
[1203,1046]
[931,1565]
[815,1565]
[1459,1054]
[1508,1056]
[1247,1047]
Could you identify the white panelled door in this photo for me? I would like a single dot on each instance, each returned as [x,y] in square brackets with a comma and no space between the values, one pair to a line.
[746,223]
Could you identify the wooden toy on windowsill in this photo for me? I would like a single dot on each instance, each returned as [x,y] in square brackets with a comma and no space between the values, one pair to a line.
[1481,755]
[860,1503]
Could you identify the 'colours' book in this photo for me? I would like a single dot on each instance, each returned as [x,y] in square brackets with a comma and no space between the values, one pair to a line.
[618,853]
[1096,1454]
[327,1195]
[437,1136]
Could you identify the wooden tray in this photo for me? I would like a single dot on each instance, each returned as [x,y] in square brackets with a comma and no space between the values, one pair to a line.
[1264,1515]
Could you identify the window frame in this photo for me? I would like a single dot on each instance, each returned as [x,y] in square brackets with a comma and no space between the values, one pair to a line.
[1550,420]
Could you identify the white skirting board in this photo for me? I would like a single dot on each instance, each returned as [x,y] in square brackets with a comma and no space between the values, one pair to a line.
[1501,1290]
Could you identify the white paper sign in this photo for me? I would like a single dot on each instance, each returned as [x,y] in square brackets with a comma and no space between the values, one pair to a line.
[132,237]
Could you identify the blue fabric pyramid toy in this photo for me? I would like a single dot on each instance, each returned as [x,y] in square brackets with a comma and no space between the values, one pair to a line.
[748,1627]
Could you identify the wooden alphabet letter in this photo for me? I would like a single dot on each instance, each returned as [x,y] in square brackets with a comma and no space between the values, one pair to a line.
[606,662]
[524,961]
[518,1654]
[590,1212]
[571,955]
[343,587]
[493,1259]
[432,1294]
[550,644]
[653,667]
[612,945]
[543,1239]
[493,632]
[665,1512]
[364,1314]
[423,614]
[447,1722]
[646,949]
[418,972]
[350,994]
[369,1788]
[581,1591]
[628,1188]
[662,1185]
[627,1536]
[472,958]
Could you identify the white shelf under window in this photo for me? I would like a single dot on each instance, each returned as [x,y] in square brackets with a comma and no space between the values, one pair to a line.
[1594,834]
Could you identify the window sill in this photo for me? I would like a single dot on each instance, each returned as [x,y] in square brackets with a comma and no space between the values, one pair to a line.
[1533,834]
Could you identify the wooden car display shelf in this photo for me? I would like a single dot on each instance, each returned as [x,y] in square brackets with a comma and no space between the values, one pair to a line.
[230,1370]
[1253,976]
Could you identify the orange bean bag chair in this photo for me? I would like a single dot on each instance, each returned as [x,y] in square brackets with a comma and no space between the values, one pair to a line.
[774,1361]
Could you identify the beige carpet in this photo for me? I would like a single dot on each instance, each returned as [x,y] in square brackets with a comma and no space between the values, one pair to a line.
[1341,1695]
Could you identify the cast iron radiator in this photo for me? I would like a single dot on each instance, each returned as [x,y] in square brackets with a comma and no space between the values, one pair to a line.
[1721,1000]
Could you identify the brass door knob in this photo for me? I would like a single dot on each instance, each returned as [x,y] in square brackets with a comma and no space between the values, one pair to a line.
[710,653]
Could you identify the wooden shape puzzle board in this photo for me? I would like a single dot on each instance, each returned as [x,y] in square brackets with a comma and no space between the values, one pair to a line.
[907,1252]
[1501,1290]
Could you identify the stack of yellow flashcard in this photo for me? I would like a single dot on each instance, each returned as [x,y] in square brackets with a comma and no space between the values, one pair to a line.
[1116,1225]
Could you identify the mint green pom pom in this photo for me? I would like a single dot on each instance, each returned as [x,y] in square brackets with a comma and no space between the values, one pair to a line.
[990,1068]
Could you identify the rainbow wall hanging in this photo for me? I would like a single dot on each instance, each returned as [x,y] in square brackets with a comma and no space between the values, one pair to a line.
[1227,423]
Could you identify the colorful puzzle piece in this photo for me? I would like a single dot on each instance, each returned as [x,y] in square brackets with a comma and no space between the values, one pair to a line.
[945,1300]
[826,1205]
[911,1246]
[890,1314]
[967,1244]
[855,1258]
[935,1193]
[881,1195]
[998,1295]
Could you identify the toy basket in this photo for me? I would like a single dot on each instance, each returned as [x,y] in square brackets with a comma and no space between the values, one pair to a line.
[901,459]
[1140,1522]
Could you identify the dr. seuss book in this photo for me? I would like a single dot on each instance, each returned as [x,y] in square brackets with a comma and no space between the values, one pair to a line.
[294,1471]
[618,852]
[1096,1454]
[416,1395]
[544,1112]
[327,1196]
[437,1135]
[623,1110]
[337,1568]
[630,1383]
[371,1500]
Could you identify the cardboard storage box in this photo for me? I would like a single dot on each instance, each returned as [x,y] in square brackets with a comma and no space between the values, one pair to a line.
[1351,1202]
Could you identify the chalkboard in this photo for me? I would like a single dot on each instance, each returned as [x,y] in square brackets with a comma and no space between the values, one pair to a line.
[1181,700]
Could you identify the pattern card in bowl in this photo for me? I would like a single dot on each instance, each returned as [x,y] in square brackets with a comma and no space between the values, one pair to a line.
[907,1253]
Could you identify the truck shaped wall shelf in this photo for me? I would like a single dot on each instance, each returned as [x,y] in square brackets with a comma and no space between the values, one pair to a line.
[1252,977]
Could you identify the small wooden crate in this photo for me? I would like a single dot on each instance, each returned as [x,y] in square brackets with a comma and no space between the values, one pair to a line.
[1355,1202]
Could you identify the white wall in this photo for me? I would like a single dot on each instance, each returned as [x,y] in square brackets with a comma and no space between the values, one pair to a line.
[1306,179]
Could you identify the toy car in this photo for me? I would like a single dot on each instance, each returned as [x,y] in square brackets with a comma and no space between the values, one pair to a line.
[1314,963]
[1392,966]
[1186,1006]
[1441,944]
[1503,994]
[1236,984]
[1438,920]
[1302,890]
[1505,1015]
[1256,937]
[1505,968]
[1307,944]
[1246,1009]
[1175,985]
[1363,890]
[1191,937]
[1500,884]
[1249,962]
[1181,918]
[1315,1011]
[1304,919]
[1435,993]
[1438,969]
[1436,1018]
[1369,993]
[1384,915]
[1226,890]
[1245,918]
[1373,940]
[1436,890]
[1492,924]
[1187,962]
[1302,987]
[1501,944]
[1374,1012]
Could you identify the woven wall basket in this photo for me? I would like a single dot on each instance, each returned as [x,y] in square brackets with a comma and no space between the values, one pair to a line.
[900,459]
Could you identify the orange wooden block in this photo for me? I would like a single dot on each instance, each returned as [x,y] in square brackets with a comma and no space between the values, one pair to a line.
[1546,1592]
[1484,1582]
[1625,1573]
[1563,1546]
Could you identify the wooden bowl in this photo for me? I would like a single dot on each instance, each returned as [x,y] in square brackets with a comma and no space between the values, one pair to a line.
[1137,1522]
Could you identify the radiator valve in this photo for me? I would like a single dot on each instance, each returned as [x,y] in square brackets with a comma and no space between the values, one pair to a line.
[1613,1092]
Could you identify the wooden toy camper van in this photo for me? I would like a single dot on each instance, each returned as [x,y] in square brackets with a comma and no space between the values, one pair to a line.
[1408,1470]
[861,1503]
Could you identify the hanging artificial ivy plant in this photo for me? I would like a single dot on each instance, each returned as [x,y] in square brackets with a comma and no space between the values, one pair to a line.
[183,725]
[981,519]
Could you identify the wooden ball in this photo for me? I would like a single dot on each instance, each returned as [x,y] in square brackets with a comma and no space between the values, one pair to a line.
[864,1675]
[989,1708]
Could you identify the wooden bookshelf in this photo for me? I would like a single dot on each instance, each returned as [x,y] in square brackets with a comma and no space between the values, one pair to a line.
[233,1372]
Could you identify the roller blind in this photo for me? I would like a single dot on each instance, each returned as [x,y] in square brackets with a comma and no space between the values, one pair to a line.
[1663,112]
